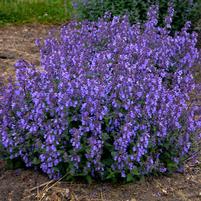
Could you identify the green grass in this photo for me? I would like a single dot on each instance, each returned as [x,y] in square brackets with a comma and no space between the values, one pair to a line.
[29,11]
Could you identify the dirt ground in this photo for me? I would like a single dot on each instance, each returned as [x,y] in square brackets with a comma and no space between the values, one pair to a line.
[19,42]
[29,185]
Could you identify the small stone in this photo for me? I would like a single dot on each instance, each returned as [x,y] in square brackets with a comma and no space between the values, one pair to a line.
[164,192]
[133,199]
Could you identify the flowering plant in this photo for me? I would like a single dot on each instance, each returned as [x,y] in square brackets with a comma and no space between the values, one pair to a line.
[110,100]
[137,9]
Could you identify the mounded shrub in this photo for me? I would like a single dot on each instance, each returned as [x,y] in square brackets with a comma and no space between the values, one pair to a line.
[137,9]
[109,101]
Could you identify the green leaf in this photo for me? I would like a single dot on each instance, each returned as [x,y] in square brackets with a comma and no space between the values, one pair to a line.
[113,153]
[14,164]
[88,179]
[36,161]
[135,172]
[106,120]
[172,166]
[111,174]
[69,178]
[129,178]
[109,146]
[105,136]
[108,161]
[9,164]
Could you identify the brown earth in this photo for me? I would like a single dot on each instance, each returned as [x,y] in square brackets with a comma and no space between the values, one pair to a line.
[18,42]
[29,185]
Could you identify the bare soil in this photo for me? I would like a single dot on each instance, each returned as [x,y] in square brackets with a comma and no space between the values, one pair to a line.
[29,185]
[18,42]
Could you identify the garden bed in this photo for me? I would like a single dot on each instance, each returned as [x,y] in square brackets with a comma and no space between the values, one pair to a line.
[18,42]
[22,185]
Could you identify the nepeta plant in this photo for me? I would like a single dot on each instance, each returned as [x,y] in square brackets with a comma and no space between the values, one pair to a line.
[137,9]
[110,100]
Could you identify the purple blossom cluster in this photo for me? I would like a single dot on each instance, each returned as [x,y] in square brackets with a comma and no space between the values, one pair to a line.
[109,97]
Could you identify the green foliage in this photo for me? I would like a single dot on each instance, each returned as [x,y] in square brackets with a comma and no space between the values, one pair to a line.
[34,11]
[14,164]
[137,9]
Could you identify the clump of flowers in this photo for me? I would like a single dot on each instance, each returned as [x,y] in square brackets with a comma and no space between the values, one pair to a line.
[110,100]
